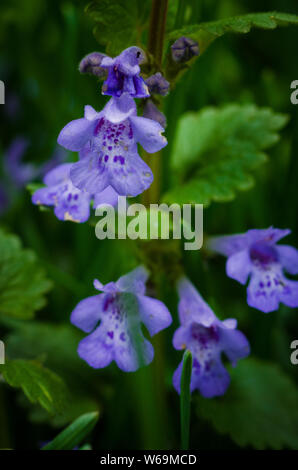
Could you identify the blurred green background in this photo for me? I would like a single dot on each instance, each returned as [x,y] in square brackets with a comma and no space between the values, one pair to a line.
[42,43]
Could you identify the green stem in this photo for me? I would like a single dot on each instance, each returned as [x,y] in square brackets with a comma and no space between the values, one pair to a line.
[157,27]
[185,396]
[156,433]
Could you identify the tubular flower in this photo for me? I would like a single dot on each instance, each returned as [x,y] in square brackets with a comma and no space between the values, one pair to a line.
[206,337]
[120,309]
[255,254]
[107,142]
[70,203]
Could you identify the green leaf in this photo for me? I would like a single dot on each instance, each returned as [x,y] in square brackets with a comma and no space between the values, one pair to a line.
[260,408]
[56,347]
[39,384]
[22,281]
[74,433]
[216,149]
[117,23]
[55,344]
[206,33]
[185,398]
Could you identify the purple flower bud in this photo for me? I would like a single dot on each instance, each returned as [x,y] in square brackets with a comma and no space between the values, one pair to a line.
[184,49]
[152,112]
[91,64]
[158,85]
[124,74]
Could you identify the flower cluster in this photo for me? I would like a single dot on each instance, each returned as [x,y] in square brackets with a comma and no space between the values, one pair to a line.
[107,141]
[255,254]
[109,165]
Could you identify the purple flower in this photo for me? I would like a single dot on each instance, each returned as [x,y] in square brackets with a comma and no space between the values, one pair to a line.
[91,64]
[18,172]
[124,74]
[120,308]
[107,142]
[70,203]
[256,254]
[157,84]
[206,337]
[184,49]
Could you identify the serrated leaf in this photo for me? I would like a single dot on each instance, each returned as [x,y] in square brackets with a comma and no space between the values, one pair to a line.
[117,23]
[216,149]
[74,433]
[39,384]
[22,280]
[260,408]
[206,33]
[56,346]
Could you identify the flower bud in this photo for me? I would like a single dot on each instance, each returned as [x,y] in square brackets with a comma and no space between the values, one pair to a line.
[184,49]
[91,64]
[157,84]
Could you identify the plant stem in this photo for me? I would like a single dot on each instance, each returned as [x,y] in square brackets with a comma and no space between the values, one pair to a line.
[157,29]
[156,432]
[185,396]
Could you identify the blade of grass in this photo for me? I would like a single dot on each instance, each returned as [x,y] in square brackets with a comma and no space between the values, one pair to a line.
[185,396]
[74,433]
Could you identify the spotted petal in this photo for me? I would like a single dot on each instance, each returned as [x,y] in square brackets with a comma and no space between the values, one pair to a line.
[73,206]
[131,176]
[89,174]
[263,292]
[211,383]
